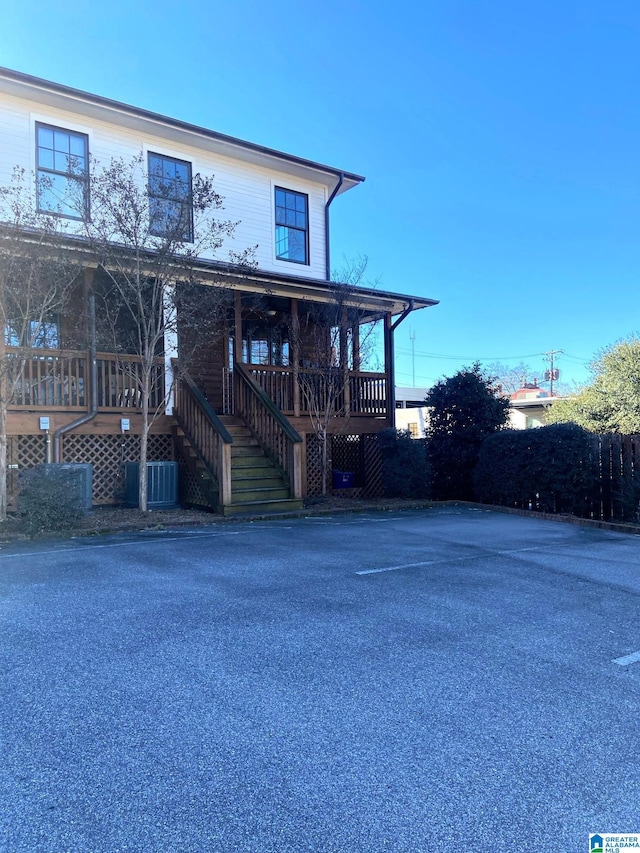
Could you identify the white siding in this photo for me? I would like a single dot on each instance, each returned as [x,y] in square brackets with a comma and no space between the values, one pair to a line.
[248,190]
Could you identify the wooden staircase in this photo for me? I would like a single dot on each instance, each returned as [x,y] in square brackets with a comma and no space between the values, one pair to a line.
[257,486]
[240,469]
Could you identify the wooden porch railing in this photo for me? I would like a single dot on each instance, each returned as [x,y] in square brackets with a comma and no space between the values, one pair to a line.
[207,434]
[49,379]
[270,426]
[368,391]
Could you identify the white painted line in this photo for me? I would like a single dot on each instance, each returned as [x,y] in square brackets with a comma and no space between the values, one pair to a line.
[128,544]
[627,659]
[395,568]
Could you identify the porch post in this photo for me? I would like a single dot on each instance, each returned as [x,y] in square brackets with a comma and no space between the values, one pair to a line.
[237,344]
[295,355]
[355,331]
[224,473]
[389,368]
[344,360]
[170,344]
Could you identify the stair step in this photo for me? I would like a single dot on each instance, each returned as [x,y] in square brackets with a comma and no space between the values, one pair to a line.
[248,463]
[246,450]
[269,481]
[244,441]
[263,507]
[241,496]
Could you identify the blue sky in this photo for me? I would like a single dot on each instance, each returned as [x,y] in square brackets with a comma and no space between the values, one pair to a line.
[500,141]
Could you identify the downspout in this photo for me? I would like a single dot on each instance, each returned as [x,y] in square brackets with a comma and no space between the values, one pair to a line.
[392,360]
[93,387]
[336,189]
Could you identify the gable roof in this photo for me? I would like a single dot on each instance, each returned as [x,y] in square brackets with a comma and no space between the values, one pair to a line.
[56,95]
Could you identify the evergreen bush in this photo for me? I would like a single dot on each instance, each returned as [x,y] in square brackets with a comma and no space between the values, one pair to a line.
[405,470]
[48,501]
[551,468]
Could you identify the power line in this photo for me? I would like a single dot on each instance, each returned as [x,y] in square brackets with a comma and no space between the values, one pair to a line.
[470,357]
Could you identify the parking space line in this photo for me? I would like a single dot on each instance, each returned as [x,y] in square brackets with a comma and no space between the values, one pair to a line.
[129,543]
[634,657]
[395,568]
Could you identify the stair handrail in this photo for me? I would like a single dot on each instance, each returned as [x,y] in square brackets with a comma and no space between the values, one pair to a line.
[283,443]
[207,411]
[208,436]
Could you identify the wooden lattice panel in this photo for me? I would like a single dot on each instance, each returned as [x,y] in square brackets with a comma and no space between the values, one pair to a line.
[32,450]
[23,452]
[108,455]
[314,473]
[189,491]
[357,453]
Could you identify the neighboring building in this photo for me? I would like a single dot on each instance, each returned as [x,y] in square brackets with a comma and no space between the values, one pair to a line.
[281,203]
[528,406]
[411,413]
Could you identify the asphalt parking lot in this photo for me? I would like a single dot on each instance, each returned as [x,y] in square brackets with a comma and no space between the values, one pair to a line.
[435,680]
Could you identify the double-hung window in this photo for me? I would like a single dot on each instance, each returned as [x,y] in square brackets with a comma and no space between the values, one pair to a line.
[62,164]
[170,198]
[292,226]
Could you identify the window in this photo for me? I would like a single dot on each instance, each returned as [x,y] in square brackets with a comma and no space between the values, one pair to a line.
[170,199]
[292,226]
[264,344]
[37,334]
[62,162]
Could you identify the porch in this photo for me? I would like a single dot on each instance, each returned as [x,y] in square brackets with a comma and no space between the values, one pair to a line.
[44,380]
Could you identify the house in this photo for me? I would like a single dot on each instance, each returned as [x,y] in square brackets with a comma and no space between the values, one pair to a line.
[528,406]
[411,412]
[240,420]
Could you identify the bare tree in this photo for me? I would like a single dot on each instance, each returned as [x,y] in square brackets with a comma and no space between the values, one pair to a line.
[511,379]
[333,338]
[37,280]
[149,225]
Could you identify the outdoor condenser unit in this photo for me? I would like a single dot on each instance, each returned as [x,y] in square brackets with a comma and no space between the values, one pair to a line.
[162,484]
[78,478]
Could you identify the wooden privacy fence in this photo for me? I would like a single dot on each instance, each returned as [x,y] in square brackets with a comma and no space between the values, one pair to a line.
[617,493]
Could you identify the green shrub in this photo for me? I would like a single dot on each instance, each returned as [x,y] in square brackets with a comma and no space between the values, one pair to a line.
[552,468]
[48,501]
[405,470]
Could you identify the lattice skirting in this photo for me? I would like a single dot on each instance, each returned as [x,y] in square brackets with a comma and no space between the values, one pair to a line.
[189,491]
[107,453]
[23,452]
[357,453]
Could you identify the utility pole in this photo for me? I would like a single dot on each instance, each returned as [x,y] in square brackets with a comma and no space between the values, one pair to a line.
[552,373]
[412,336]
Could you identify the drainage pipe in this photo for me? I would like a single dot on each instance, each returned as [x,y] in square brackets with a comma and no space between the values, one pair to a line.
[391,396]
[336,189]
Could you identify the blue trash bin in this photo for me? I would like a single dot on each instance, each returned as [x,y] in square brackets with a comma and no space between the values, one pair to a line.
[343,479]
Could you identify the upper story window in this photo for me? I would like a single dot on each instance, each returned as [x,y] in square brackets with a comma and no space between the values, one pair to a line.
[292,226]
[62,163]
[170,199]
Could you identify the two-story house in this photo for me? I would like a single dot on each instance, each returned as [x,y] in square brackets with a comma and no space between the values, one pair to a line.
[242,421]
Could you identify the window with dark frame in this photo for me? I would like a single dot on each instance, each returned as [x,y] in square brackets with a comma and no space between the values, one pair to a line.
[292,226]
[62,166]
[170,198]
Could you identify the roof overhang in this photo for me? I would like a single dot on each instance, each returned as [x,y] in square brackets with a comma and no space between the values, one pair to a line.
[371,303]
[24,86]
